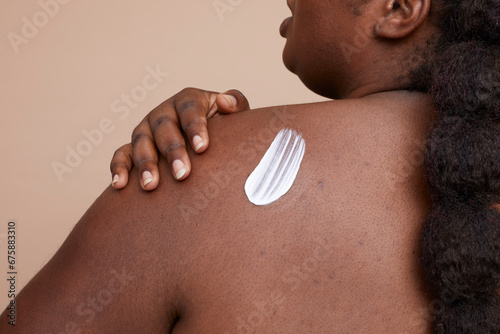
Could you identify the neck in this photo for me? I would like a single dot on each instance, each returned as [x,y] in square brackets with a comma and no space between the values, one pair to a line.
[387,66]
[374,88]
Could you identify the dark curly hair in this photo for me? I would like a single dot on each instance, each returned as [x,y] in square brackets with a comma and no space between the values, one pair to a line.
[460,245]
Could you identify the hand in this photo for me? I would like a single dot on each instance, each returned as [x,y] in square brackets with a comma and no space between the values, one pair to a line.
[162,130]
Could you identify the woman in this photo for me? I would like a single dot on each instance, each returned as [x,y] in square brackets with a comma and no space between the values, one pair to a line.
[340,251]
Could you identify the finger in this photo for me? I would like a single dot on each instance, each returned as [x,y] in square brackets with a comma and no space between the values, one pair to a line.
[232,101]
[145,156]
[212,105]
[120,166]
[192,110]
[165,127]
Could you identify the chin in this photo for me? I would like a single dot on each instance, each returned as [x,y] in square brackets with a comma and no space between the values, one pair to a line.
[322,91]
[316,82]
[327,91]
[318,85]
[288,60]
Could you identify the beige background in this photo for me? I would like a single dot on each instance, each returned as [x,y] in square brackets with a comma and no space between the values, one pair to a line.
[64,78]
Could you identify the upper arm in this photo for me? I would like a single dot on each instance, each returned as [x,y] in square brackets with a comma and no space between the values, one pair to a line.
[111,275]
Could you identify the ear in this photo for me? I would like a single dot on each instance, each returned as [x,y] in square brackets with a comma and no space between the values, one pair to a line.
[401,18]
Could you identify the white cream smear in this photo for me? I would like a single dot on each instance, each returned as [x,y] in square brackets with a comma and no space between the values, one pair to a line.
[276,172]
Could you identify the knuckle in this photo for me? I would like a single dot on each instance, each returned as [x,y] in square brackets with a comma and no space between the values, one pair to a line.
[185,106]
[137,130]
[138,136]
[170,147]
[142,161]
[160,121]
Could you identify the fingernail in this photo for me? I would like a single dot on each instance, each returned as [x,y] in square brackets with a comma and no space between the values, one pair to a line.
[147,177]
[179,169]
[231,100]
[116,178]
[198,143]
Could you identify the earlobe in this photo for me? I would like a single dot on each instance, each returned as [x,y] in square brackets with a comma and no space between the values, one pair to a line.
[401,18]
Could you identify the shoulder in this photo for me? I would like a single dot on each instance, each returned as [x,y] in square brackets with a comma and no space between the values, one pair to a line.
[165,239]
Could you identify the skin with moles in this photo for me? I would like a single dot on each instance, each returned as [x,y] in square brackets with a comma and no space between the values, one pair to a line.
[337,254]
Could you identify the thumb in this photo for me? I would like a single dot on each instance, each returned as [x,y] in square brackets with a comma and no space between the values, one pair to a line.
[232,101]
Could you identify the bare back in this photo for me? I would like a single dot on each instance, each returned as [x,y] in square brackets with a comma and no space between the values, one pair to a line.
[337,254]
